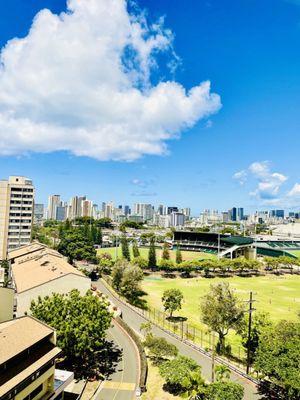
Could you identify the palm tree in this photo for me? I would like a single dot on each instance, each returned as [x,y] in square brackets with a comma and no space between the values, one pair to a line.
[222,373]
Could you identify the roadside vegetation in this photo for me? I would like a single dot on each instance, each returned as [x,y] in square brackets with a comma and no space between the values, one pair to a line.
[180,376]
[81,323]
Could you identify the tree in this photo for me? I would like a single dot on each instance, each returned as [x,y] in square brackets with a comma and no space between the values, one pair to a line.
[146,328]
[104,223]
[125,248]
[178,256]
[105,263]
[165,253]
[222,373]
[126,279]
[135,249]
[130,283]
[277,356]
[98,236]
[80,322]
[224,391]
[172,299]
[182,374]
[221,311]
[152,253]
[260,321]
[159,348]
[117,273]
[76,246]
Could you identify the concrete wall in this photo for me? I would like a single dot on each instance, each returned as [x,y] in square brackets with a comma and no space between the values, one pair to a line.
[6,303]
[61,285]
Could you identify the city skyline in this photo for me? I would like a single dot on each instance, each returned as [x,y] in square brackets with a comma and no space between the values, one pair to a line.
[238,148]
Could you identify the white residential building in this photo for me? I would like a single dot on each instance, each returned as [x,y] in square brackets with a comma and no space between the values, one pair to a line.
[16,213]
[53,203]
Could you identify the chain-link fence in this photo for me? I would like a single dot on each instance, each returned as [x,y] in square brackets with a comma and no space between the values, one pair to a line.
[201,337]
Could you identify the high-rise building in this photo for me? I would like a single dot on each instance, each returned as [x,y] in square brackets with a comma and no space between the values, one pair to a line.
[61,213]
[39,212]
[53,203]
[240,214]
[109,210]
[160,209]
[279,213]
[172,209]
[187,212]
[126,210]
[177,219]
[86,208]
[144,210]
[232,214]
[16,213]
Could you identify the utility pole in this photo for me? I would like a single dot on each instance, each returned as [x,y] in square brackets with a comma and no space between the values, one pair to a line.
[213,359]
[251,309]
[218,245]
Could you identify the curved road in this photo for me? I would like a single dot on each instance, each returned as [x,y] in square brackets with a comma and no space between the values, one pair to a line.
[134,320]
[122,384]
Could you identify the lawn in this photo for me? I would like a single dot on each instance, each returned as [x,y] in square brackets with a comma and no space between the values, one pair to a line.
[155,386]
[295,252]
[277,295]
[186,255]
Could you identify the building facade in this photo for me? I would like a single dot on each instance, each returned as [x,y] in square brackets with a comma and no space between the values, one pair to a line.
[53,203]
[27,361]
[16,213]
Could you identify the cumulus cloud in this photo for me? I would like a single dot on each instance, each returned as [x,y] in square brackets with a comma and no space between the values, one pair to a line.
[268,183]
[241,176]
[295,191]
[81,82]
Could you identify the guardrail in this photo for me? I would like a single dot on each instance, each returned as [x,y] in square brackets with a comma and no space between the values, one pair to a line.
[187,342]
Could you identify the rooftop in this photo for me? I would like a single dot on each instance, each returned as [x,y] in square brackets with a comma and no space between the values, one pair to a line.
[19,334]
[39,268]
[25,250]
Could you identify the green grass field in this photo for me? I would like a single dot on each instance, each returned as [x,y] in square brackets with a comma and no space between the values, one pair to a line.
[295,252]
[277,295]
[186,255]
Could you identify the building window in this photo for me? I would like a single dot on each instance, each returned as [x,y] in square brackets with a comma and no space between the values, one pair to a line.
[34,393]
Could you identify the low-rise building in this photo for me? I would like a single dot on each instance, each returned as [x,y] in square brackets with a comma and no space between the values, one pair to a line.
[28,353]
[38,271]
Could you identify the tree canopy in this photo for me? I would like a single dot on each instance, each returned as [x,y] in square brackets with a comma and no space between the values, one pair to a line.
[180,372]
[81,323]
[77,246]
[221,311]
[159,348]
[172,299]
[277,356]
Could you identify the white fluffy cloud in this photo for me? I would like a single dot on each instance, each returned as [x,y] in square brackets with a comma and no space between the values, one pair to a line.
[80,82]
[268,183]
[295,191]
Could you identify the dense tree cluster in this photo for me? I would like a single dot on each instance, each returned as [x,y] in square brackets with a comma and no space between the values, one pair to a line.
[277,357]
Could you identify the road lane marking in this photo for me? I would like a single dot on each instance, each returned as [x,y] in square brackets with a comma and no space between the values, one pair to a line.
[119,385]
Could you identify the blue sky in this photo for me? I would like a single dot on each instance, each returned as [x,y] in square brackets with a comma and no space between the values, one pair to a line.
[245,153]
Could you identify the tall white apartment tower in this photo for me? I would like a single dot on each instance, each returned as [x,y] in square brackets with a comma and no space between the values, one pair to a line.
[53,203]
[16,213]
